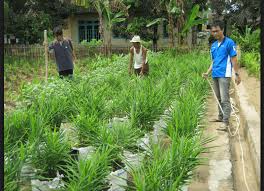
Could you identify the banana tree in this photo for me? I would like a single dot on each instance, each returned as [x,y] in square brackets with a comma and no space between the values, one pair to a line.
[98,5]
[155,24]
[111,19]
[103,8]
[173,10]
[192,21]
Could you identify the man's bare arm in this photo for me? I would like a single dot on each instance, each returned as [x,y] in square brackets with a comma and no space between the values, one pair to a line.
[236,69]
[144,55]
[130,60]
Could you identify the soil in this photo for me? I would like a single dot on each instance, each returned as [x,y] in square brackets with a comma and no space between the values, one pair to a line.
[201,174]
[252,86]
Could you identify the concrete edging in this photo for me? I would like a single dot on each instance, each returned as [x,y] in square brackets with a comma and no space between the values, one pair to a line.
[250,122]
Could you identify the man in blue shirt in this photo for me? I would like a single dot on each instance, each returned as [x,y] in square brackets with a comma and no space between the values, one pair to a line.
[224,56]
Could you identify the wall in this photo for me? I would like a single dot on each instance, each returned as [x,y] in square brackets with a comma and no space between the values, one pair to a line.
[72,31]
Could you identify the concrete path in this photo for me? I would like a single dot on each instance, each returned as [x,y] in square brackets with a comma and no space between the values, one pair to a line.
[223,171]
[216,173]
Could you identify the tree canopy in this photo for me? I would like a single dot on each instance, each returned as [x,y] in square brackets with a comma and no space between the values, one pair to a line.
[27,19]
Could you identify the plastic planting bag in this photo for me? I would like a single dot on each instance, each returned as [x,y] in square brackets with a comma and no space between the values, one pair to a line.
[70,133]
[118,180]
[144,143]
[52,185]
[132,160]
[85,153]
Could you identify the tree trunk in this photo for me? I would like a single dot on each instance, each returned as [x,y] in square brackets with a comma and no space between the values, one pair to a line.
[171,32]
[194,36]
[109,43]
[155,38]
[101,28]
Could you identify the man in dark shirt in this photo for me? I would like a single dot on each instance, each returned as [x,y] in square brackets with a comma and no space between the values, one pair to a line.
[64,53]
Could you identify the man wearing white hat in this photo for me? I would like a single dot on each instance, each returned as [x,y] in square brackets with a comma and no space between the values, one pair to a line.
[138,53]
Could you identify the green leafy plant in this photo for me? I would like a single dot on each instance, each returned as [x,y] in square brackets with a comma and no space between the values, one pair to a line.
[169,169]
[146,44]
[14,159]
[92,101]
[89,174]
[192,20]
[251,60]
[48,156]
[17,127]
[249,40]
[92,43]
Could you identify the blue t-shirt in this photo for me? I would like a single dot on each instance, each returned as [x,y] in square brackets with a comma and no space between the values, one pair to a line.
[221,57]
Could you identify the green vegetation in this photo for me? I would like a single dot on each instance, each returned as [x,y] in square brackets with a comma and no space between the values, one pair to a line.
[249,42]
[92,43]
[251,60]
[91,102]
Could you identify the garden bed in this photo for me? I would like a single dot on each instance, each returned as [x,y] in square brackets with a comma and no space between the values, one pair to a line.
[92,103]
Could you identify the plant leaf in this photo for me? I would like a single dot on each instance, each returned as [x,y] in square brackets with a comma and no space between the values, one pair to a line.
[156,21]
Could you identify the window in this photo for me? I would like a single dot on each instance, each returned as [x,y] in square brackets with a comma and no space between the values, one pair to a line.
[165,29]
[88,30]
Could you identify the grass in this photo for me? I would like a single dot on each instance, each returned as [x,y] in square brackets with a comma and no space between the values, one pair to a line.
[14,159]
[251,60]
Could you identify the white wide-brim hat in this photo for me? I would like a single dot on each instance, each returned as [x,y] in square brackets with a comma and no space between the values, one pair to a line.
[135,39]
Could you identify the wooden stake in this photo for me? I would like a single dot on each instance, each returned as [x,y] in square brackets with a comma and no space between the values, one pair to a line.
[46,53]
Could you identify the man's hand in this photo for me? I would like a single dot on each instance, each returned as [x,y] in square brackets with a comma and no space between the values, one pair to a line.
[205,75]
[237,80]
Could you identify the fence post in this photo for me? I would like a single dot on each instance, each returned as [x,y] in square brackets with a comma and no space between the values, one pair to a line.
[46,52]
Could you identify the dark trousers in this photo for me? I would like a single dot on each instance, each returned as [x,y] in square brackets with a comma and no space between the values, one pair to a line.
[145,72]
[66,73]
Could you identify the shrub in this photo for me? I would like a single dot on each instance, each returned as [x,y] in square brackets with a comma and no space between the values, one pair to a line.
[251,60]
[249,41]
[92,43]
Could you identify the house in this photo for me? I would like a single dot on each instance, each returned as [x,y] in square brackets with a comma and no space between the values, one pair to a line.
[84,25]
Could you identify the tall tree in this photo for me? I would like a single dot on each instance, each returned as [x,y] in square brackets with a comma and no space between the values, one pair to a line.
[237,12]
[28,18]
[6,13]
[146,11]
[174,9]
[112,18]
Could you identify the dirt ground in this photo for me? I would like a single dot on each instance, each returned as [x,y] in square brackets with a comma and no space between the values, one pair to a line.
[252,86]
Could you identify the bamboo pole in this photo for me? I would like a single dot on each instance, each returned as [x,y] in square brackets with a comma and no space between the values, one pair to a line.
[238,54]
[46,53]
